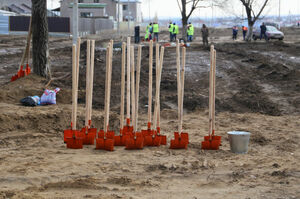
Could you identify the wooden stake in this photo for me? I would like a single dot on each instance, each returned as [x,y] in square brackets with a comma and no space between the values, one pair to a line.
[178,83]
[150,82]
[74,74]
[128,79]
[77,79]
[157,91]
[214,93]
[211,88]
[138,71]
[109,82]
[122,85]
[87,84]
[157,69]
[27,48]
[159,74]
[182,85]
[106,88]
[92,62]
[132,88]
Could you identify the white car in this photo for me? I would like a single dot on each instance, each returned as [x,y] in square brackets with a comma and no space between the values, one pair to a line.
[272,33]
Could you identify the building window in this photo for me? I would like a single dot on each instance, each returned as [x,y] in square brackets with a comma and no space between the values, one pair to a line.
[86,14]
[125,7]
[80,1]
[96,1]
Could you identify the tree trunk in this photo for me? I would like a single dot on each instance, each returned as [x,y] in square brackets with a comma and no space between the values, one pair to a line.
[250,32]
[184,28]
[40,51]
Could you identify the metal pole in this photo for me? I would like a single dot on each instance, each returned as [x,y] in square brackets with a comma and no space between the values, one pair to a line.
[128,19]
[75,21]
[118,17]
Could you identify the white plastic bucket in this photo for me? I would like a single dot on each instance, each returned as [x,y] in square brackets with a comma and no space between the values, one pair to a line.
[239,141]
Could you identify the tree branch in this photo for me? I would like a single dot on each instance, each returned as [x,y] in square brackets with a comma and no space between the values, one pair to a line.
[179,6]
[255,18]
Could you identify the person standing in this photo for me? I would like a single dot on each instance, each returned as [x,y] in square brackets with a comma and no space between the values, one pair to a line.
[175,31]
[205,34]
[245,30]
[263,30]
[137,34]
[234,32]
[155,31]
[171,31]
[190,32]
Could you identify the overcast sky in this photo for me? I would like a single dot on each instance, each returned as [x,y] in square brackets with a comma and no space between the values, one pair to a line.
[169,8]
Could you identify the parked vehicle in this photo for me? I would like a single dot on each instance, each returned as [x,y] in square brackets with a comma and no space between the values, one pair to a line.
[272,33]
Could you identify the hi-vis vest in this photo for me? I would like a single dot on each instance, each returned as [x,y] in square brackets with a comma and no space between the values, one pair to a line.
[175,30]
[171,27]
[155,28]
[191,29]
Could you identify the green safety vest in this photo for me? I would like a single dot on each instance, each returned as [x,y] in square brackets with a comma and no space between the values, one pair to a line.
[147,35]
[190,30]
[148,28]
[171,27]
[155,28]
[175,29]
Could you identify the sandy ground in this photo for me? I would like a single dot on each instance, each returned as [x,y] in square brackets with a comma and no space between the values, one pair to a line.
[258,90]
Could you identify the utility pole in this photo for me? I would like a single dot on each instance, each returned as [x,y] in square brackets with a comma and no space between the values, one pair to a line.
[128,18]
[279,10]
[212,13]
[75,21]
[149,10]
[118,18]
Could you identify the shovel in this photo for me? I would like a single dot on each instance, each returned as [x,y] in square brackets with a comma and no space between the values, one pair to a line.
[162,137]
[127,130]
[154,139]
[149,131]
[137,140]
[181,139]
[212,142]
[105,140]
[119,140]
[88,132]
[73,137]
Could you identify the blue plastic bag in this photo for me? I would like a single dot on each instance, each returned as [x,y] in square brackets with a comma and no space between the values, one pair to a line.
[49,97]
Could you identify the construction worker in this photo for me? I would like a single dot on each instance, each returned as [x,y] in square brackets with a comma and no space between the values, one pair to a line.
[205,34]
[149,30]
[190,32]
[175,31]
[171,31]
[245,29]
[147,35]
[234,32]
[155,31]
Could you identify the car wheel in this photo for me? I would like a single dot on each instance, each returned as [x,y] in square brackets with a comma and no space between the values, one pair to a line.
[254,38]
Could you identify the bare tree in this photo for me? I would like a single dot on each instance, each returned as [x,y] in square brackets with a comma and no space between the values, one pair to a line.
[187,7]
[251,14]
[40,51]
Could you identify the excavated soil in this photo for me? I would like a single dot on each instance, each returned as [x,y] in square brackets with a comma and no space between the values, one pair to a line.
[258,90]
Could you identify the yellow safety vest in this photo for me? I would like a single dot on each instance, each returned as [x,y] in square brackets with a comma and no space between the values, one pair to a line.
[171,28]
[155,28]
[175,30]
[190,30]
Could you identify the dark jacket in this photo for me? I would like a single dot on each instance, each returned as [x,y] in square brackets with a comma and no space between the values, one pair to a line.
[263,28]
